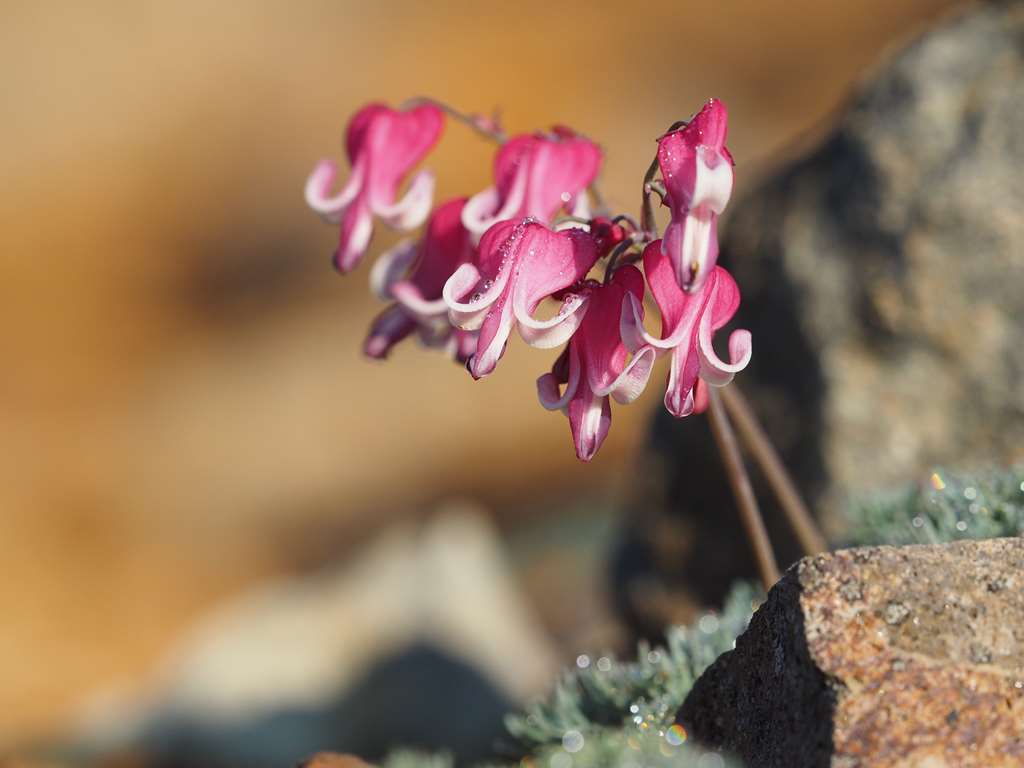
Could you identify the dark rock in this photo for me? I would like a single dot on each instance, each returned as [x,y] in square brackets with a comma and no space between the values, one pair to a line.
[824,678]
[882,279]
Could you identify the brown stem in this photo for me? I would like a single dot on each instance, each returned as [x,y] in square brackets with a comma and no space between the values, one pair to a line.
[775,473]
[725,438]
[476,122]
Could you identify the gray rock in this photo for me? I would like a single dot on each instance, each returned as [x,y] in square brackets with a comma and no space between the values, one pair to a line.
[883,280]
[921,665]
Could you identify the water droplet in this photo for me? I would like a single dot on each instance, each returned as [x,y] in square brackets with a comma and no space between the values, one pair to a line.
[487,284]
[604,664]
[708,624]
[917,522]
[475,297]
[961,526]
[653,657]
[970,494]
[572,741]
[583,661]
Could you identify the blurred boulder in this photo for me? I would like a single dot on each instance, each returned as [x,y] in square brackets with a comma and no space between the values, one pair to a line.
[881,656]
[882,278]
[423,640]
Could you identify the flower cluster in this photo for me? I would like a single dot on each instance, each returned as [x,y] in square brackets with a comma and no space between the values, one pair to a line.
[522,255]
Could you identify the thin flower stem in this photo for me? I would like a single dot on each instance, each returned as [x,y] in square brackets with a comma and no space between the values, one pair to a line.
[647,222]
[742,491]
[477,122]
[647,210]
[764,453]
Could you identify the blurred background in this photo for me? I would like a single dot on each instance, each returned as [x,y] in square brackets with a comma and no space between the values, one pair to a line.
[207,494]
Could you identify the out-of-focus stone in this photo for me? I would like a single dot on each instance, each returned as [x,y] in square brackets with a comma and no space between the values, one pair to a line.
[881,276]
[883,657]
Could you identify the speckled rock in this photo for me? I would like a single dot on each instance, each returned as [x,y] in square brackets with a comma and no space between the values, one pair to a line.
[882,278]
[883,657]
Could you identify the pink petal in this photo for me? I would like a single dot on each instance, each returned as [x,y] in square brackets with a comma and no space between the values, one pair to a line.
[356,232]
[698,175]
[395,141]
[391,326]
[494,332]
[590,418]
[559,171]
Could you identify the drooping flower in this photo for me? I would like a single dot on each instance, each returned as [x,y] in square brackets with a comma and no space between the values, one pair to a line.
[383,145]
[593,367]
[536,175]
[698,173]
[688,323]
[413,274]
[520,263]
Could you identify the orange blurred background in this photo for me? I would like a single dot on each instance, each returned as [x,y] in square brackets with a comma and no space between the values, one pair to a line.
[185,407]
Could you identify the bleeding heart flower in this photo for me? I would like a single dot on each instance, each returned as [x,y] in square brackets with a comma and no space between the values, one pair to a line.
[382,145]
[698,175]
[413,275]
[688,323]
[593,366]
[520,263]
[536,176]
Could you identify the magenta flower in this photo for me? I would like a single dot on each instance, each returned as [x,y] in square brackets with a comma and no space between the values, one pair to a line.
[698,175]
[593,366]
[520,263]
[536,176]
[382,145]
[688,323]
[413,275]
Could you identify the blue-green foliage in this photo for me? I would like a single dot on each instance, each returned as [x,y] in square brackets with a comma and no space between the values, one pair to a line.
[946,507]
[639,696]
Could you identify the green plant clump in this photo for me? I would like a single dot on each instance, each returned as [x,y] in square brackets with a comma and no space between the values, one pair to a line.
[637,696]
[947,507]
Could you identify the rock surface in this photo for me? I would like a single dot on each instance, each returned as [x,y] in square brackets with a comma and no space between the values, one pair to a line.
[878,657]
[881,278]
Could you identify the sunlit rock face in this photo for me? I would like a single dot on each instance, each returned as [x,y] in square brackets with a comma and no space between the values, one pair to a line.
[879,656]
[882,279]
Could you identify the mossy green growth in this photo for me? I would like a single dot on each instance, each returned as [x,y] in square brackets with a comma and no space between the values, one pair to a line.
[636,696]
[947,506]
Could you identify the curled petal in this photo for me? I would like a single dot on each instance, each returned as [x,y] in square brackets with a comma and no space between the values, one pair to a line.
[547,385]
[482,210]
[408,294]
[413,209]
[713,370]
[635,336]
[545,334]
[318,187]
[470,315]
[391,267]
[629,384]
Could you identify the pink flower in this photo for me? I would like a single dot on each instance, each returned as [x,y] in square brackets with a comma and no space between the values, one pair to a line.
[698,175]
[593,366]
[520,263]
[382,145]
[536,175]
[688,323]
[413,275]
